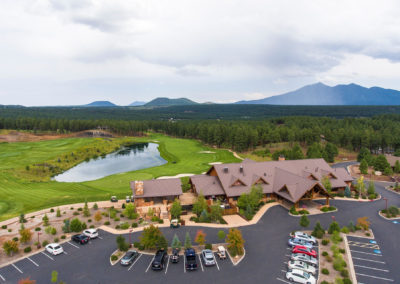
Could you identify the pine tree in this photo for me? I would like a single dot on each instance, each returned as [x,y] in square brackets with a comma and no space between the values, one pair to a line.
[188,241]
[318,231]
[45,220]
[86,211]
[304,222]
[176,243]
[364,167]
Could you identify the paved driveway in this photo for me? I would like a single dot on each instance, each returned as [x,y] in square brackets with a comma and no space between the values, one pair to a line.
[266,252]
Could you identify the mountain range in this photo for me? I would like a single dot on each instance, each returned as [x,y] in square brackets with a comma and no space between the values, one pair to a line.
[170,102]
[321,94]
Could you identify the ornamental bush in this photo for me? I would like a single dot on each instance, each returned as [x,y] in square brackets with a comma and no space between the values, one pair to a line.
[325,271]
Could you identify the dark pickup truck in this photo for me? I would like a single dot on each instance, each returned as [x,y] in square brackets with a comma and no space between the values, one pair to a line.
[190,256]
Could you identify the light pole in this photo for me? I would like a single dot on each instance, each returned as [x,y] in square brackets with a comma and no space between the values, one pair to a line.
[386,200]
[130,233]
[333,218]
[38,246]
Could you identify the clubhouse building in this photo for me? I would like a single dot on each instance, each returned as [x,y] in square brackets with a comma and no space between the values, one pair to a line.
[289,182]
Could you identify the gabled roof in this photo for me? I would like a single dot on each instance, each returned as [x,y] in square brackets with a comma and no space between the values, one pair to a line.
[207,185]
[159,188]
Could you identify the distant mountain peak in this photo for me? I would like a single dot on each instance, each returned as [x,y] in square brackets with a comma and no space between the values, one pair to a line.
[163,101]
[321,94]
[137,103]
[101,104]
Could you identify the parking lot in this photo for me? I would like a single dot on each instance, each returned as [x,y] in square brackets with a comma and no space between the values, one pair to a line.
[369,263]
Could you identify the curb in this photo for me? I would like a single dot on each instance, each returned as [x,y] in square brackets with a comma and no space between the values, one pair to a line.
[122,255]
[350,259]
[242,257]
[314,213]
[389,219]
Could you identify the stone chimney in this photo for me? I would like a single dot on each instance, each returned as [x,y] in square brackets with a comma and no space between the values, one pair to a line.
[138,187]
[281,158]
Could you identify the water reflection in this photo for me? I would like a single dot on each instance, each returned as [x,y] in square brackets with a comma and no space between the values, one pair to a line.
[129,158]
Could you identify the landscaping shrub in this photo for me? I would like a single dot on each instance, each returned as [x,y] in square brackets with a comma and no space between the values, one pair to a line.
[117,219]
[76,225]
[106,223]
[344,273]
[136,244]
[325,253]
[51,210]
[221,235]
[324,282]
[194,219]
[114,257]
[347,281]
[27,249]
[208,246]
[80,209]
[329,258]
[293,211]
[45,243]
[121,243]
[15,239]
[117,227]
[134,225]
[75,213]
[304,222]
[63,237]
[372,196]
[9,230]
[393,210]
[342,251]
[336,238]
[325,242]
[56,240]
[334,227]
[124,226]
[318,231]
[345,230]
[160,221]
[304,212]
[4,227]
[325,271]
[121,215]
[123,206]
[37,229]
[91,227]
[89,220]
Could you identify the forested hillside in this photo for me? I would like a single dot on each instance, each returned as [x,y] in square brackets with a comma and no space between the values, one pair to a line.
[378,132]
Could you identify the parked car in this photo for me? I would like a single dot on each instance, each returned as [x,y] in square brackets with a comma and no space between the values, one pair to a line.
[174,223]
[159,259]
[300,276]
[91,233]
[298,242]
[114,199]
[208,257]
[128,199]
[54,249]
[305,237]
[297,264]
[80,238]
[221,252]
[305,250]
[175,256]
[190,256]
[305,258]
[129,257]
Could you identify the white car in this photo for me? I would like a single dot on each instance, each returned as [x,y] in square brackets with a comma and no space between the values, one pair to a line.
[91,233]
[300,276]
[305,237]
[54,249]
[297,264]
[305,258]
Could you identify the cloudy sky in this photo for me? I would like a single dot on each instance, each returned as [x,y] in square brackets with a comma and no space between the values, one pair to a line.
[58,52]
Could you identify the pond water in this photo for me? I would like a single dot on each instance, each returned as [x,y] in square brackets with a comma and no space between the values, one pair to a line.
[128,158]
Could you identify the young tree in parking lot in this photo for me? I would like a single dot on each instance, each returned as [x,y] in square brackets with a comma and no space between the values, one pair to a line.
[76,225]
[188,241]
[176,209]
[364,223]
[371,187]
[27,281]
[176,243]
[334,227]
[58,214]
[221,235]
[216,212]
[162,242]
[364,167]
[304,222]
[235,242]
[121,243]
[10,247]
[199,205]
[86,211]
[66,228]
[318,231]
[54,276]
[130,211]
[347,191]
[150,237]
[45,220]
[98,216]
[26,235]
[200,237]
[360,185]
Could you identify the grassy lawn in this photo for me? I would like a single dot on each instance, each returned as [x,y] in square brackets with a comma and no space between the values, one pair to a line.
[19,195]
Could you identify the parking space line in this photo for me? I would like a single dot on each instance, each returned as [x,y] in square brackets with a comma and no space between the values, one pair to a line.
[134,262]
[288,255]
[166,269]
[2,278]
[368,260]
[150,264]
[366,252]
[47,256]
[64,252]
[283,271]
[216,262]
[19,270]
[100,237]
[284,281]
[32,261]
[376,277]
[373,268]
[73,245]
[201,264]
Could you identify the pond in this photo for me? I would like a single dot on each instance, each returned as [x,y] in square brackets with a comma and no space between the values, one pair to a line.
[128,158]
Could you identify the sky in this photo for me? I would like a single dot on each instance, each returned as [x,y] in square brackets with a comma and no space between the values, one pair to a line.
[71,52]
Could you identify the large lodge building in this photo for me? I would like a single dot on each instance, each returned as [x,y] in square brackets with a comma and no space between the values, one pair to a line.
[289,182]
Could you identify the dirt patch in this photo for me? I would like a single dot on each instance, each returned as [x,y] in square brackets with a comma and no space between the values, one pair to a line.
[355,172]
[18,136]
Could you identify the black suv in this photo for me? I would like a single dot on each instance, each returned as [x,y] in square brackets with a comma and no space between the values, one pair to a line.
[159,259]
[191,263]
[80,238]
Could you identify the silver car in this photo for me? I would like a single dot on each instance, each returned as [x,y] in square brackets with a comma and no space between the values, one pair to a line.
[304,257]
[305,237]
[208,257]
[299,242]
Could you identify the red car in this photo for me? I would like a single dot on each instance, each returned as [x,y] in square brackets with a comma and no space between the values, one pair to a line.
[305,250]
